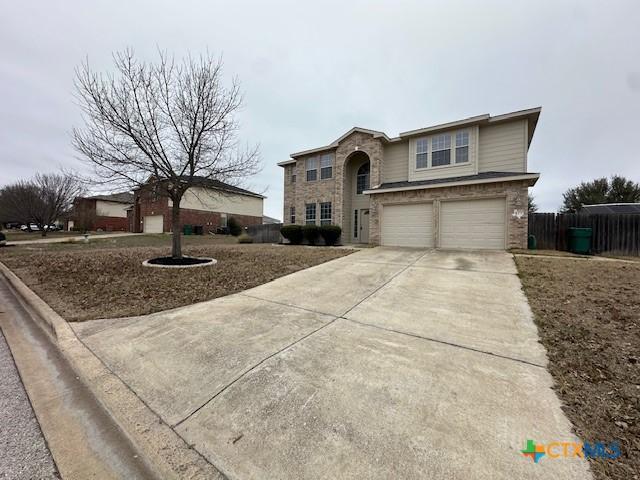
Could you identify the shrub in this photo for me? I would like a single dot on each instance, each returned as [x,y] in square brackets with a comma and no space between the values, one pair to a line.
[3,239]
[245,238]
[311,233]
[235,228]
[330,234]
[293,233]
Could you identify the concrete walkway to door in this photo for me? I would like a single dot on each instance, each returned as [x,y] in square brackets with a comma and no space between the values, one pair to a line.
[387,363]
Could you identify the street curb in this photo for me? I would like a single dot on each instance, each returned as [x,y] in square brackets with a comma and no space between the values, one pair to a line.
[163,450]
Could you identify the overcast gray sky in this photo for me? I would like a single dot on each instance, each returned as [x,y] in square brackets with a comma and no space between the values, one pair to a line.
[312,70]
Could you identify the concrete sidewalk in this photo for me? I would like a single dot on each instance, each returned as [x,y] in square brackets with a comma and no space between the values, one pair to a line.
[387,363]
[76,238]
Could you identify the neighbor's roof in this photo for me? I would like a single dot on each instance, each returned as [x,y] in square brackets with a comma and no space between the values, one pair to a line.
[122,197]
[629,208]
[484,177]
[267,219]
[531,114]
[217,185]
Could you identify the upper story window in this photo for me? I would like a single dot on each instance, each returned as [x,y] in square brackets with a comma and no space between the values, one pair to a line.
[310,213]
[292,173]
[312,169]
[362,179]
[326,166]
[445,149]
[462,146]
[441,150]
[422,145]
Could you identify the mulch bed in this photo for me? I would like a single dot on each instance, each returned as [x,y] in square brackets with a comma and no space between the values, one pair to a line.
[588,316]
[111,282]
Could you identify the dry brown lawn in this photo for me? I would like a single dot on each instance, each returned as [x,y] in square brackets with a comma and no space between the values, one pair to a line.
[588,316]
[106,279]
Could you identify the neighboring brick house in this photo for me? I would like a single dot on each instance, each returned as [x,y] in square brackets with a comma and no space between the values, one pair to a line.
[209,204]
[461,184]
[101,212]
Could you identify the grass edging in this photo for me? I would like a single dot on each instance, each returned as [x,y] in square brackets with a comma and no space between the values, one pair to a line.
[162,449]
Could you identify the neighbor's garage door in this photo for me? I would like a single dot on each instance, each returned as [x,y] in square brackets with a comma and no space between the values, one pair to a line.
[153,224]
[408,225]
[478,224]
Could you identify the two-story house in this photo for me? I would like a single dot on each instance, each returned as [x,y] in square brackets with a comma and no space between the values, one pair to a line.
[461,184]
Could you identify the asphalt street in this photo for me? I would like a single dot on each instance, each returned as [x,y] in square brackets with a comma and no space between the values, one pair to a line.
[23,450]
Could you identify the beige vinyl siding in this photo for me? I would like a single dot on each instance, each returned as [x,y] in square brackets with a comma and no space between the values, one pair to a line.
[395,162]
[503,147]
[208,200]
[452,170]
[408,225]
[111,209]
[473,224]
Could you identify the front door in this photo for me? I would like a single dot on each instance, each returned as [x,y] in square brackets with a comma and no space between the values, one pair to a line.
[364,225]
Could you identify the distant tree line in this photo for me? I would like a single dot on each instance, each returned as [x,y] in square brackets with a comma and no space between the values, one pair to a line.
[42,200]
[618,189]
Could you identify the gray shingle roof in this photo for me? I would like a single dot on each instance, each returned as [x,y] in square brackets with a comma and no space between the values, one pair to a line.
[218,185]
[122,197]
[435,181]
[628,208]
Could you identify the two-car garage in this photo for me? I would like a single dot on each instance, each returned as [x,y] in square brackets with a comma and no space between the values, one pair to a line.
[468,224]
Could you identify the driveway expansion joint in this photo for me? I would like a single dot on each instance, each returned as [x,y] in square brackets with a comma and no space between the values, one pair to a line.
[444,342]
[253,367]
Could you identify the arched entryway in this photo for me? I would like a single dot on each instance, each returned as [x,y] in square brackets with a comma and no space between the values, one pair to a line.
[357,180]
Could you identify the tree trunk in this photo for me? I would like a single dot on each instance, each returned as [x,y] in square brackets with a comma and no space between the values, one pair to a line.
[176,244]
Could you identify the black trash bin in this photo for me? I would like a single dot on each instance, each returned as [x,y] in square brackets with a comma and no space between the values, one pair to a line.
[198,230]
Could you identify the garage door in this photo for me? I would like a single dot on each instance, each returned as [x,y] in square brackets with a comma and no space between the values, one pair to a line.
[478,224]
[408,225]
[153,224]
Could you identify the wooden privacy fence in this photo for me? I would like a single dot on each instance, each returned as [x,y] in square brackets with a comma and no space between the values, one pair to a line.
[267,233]
[614,232]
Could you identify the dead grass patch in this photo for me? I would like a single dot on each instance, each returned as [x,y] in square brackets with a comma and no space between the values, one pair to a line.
[89,283]
[588,316]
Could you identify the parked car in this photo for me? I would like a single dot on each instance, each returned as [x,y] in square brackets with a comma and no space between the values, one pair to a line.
[32,227]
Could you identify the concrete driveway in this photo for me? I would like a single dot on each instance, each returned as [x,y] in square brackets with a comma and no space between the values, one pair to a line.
[387,363]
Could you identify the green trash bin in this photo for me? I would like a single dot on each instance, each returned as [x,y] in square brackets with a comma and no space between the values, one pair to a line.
[580,240]
[532,243]
[187,229]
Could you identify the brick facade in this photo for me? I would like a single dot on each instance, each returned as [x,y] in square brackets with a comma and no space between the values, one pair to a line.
[147,204]
[514,192]
[111,224]
[333,189]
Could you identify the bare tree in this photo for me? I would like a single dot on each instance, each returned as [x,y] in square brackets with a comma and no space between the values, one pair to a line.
[164,125]
[42,200]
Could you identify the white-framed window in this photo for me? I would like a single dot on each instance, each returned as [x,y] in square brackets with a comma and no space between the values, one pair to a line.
[441,150]
[292,173]
[326,166]
[462,146]
[325,213]
[312,169]
[310,213]
[223,220]
[292,214]
[362,178]
[422,147]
